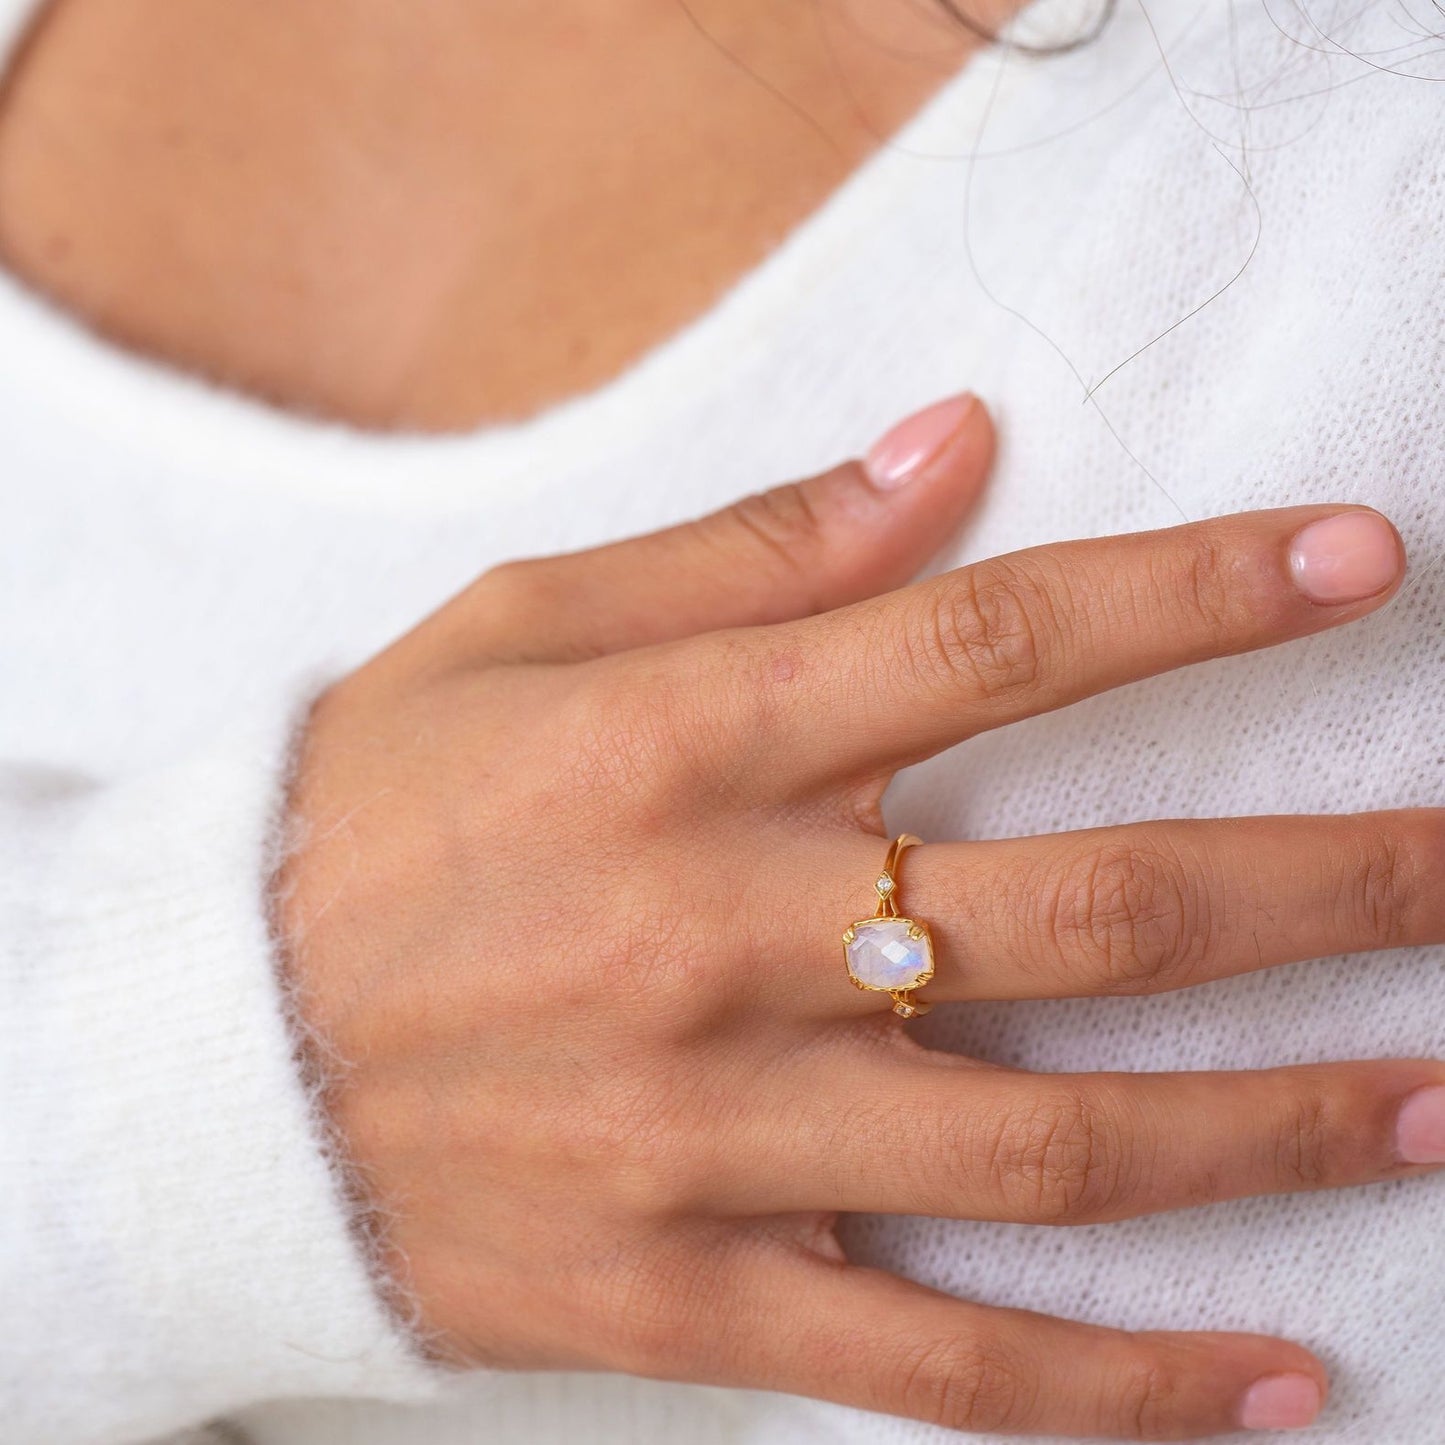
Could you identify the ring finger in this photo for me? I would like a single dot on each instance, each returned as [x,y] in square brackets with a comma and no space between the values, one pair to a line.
[1133,909]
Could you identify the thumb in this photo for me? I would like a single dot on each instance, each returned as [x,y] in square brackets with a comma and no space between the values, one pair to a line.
[862,528]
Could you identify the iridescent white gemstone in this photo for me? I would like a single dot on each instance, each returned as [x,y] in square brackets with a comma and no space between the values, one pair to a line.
[883,954]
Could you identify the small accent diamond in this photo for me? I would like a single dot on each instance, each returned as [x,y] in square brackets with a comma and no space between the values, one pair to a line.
[884,885]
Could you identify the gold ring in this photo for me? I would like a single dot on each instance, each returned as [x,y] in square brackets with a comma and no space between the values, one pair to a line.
[889,953]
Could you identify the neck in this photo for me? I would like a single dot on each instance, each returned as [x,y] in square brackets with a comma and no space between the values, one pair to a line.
[437,214]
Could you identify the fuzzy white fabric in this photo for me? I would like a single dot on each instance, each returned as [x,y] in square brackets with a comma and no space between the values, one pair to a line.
[176,564]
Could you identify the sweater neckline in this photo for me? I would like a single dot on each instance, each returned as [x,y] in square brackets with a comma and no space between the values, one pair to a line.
[86,383]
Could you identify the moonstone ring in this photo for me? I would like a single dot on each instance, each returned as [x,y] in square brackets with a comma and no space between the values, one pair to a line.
[888,952]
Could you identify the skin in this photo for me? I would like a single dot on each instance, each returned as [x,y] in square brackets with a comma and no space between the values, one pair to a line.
[663,761]
[409,215]
[665,758]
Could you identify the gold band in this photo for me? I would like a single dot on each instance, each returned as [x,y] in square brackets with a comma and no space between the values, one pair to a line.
[888,952]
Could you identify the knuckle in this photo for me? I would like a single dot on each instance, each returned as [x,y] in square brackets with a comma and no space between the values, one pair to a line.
[626,737]
[1147,1400]
[657,964]
[987,629]
[634,1146]
[973,1384]
[1382,887]
[1065,1160]
[518,579]
[784,524]
[699,712]
[1303,1152]
[512,596]
[651,1329]
[1203,583]
[1132,912]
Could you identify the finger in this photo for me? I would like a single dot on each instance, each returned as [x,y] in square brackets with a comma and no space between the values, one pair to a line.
[904,1131]
[813,545]
[871,687]
[866,1338]
[1138,908]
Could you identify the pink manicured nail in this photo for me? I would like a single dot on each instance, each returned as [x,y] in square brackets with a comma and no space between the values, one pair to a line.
[1345,558]
[1280,1402]
[898,456]
[1420,1127]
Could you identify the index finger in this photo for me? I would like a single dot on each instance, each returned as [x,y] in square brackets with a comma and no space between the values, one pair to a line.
[880,684]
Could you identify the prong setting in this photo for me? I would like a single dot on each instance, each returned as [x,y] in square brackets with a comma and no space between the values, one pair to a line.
[888,953]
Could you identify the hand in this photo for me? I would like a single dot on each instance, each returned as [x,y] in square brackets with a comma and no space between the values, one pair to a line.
[564,924]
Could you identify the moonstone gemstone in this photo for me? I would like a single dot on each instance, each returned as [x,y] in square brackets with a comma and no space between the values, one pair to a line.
[882,955]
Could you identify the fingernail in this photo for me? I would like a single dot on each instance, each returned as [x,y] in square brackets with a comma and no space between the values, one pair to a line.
[901,454]
[1345,558]
[1280,1402]
[1420,1126]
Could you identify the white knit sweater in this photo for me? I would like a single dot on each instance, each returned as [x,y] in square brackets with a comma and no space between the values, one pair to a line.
[179,566]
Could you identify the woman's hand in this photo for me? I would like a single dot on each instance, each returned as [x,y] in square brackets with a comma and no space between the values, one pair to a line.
[564,925]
